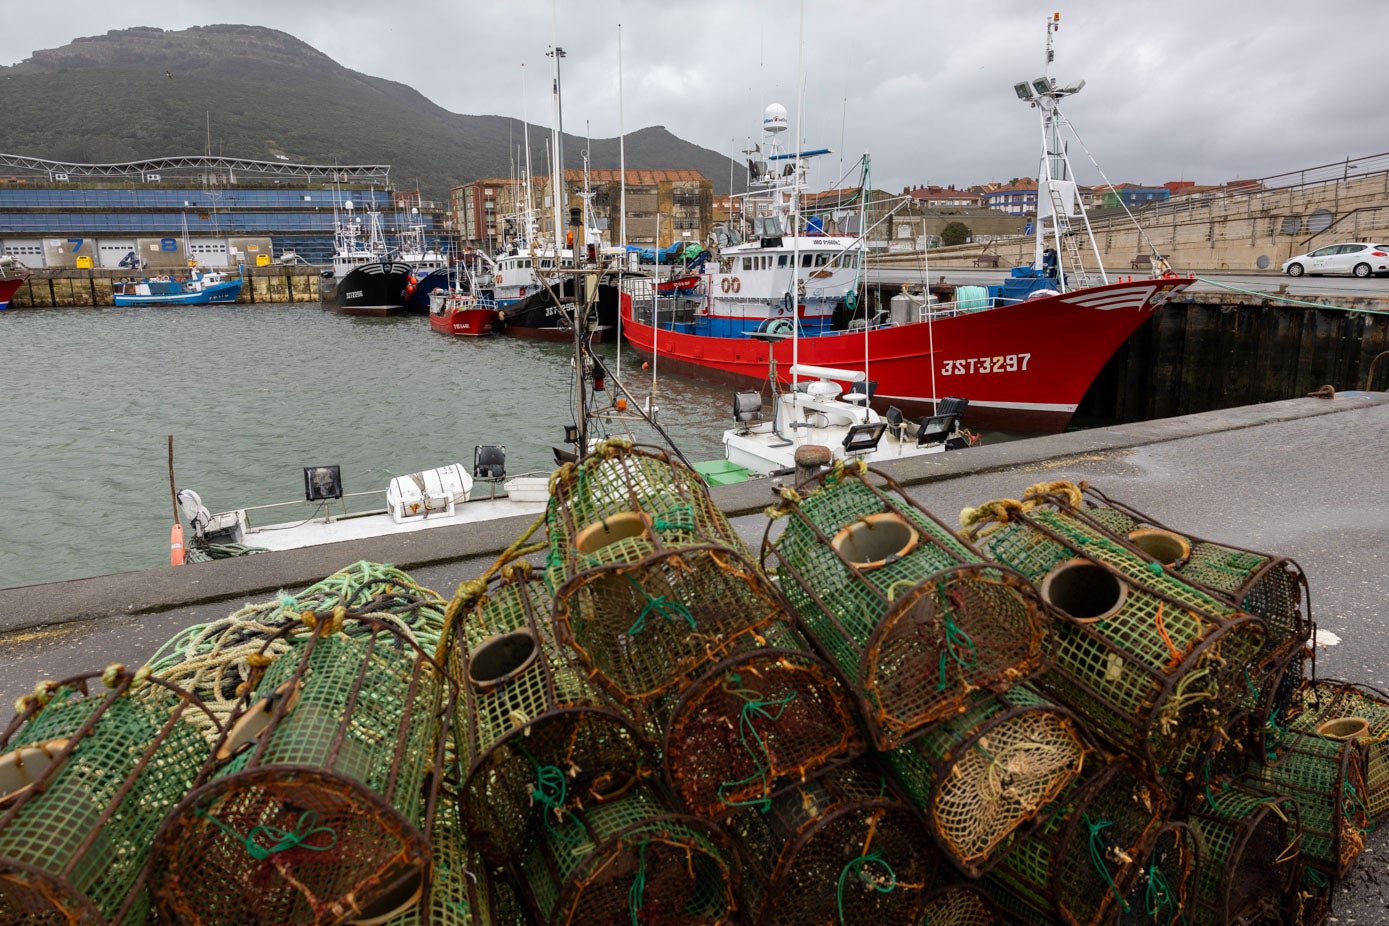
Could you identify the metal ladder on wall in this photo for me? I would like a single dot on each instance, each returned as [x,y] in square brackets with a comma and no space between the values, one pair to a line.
[1072,263]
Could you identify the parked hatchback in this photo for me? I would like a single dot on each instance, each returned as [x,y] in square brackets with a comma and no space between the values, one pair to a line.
[1356,259]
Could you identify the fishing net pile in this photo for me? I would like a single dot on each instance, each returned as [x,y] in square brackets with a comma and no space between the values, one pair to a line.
[1068,712]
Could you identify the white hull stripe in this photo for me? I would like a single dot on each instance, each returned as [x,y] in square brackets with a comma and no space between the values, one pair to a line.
[1023,406]
[1125,299]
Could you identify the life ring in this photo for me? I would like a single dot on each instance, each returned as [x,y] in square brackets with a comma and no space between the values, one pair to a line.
[498,278]
[725,284]
[737,284]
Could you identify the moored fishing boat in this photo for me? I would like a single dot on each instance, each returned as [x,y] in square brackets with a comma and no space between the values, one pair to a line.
[455,311]
[13,275]
[363,280]
[1022,353]
[196,288]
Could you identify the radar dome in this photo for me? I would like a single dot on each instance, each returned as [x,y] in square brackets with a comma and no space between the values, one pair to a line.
[774,118]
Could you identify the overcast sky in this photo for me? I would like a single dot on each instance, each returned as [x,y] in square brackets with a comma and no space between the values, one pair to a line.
[1203,90]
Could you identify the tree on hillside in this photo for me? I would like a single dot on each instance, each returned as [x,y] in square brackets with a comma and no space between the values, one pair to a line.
[954,233]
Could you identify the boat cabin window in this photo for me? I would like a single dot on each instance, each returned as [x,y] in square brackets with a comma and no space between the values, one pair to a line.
[747,263]
[821,260]
[546,264]
[781,260]
[807,259]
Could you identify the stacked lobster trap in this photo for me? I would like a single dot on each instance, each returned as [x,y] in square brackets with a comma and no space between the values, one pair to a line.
[1069,713]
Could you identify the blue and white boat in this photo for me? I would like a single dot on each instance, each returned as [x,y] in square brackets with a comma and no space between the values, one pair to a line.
[195,288]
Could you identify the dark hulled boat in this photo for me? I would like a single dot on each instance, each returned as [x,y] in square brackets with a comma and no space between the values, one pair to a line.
[375,288]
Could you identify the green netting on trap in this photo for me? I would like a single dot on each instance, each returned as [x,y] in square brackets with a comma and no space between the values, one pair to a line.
[1343,709]
[1151,664]
[1248,865]
[458,891]
[87,775]
[768,716]
[894,598]
[840,848]
[1078,865]
[629,860]
[1164,889]
[650,622]
[322,784]
[624,491]
[211,660]
[533,734]
[982,778]
[958,905]
[1326,779]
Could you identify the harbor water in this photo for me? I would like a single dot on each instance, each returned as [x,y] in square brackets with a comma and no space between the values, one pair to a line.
[252,395]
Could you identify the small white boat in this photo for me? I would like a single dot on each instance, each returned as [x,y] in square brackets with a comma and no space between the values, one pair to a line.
[419,501]
[819,412]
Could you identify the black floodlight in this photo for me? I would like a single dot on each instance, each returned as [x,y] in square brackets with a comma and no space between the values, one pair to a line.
[935,429]
[863,438]
[1024,91]
[571,433]
[322,483]
[489,461]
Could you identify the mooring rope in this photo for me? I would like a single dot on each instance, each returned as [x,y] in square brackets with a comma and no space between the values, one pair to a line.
[1288,299]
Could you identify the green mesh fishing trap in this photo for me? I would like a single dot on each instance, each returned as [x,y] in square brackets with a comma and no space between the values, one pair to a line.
[213,661]
[958,905]
[841,848]
[1326,779]
[1150,663]
[1345,710]
[1078,866]
[982,778]
[1164,888]
[533,735]
[629,860]
[910,613]
[88,772]
[651,584]
[1273,588]
[1248,866]
[768,716]
[317,804]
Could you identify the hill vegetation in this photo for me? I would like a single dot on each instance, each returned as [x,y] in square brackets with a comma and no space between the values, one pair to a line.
[145,92]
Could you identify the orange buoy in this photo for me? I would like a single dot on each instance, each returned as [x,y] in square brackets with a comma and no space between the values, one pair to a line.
[645,365]
[176,545]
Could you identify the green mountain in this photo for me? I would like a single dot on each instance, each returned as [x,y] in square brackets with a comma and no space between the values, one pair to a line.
[145,92]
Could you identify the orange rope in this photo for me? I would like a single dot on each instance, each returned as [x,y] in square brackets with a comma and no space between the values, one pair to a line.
[1176,653]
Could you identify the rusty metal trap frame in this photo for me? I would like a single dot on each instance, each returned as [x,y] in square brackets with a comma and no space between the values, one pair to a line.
[1078,867]
[982,779]
[913,616]
[1152,665]
[87,776]
[1249,865]
[766,717]
[958,905]
[1165,886]
[317,805]
[1351,711]
[630,859]
[1326,779]
[840,848]
[533,736]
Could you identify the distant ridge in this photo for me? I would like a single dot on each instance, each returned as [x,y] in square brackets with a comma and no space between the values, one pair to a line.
[145,92]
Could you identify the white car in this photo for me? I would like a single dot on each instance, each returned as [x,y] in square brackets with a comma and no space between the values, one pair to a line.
[1357,259]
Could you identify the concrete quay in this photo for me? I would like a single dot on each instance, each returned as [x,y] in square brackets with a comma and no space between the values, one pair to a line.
[1306,478]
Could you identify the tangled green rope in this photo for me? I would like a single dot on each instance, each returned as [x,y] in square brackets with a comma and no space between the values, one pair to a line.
[1097,855]
[282,839]
[638,888]
[862,861]
[753,708]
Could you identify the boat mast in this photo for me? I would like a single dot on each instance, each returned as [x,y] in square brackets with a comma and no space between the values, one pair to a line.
[795,211]
[557,188]
[622,197]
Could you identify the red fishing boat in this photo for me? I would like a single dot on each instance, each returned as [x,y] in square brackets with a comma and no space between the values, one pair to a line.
[13,273]
[454,312]
[1023,353]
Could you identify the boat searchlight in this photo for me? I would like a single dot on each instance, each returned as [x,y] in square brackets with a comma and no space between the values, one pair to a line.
[322,483]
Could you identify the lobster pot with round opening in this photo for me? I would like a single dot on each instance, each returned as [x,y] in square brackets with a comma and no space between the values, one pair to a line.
[912,615]
[1248,868]
[628,860]
[758,722]
[1153,666]
[1346,711]
[983,778]
[958,905]
[533,735]
[843,843]
[1080,862]
[89,768]
[1325,777]
[651,585]
[318,803]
